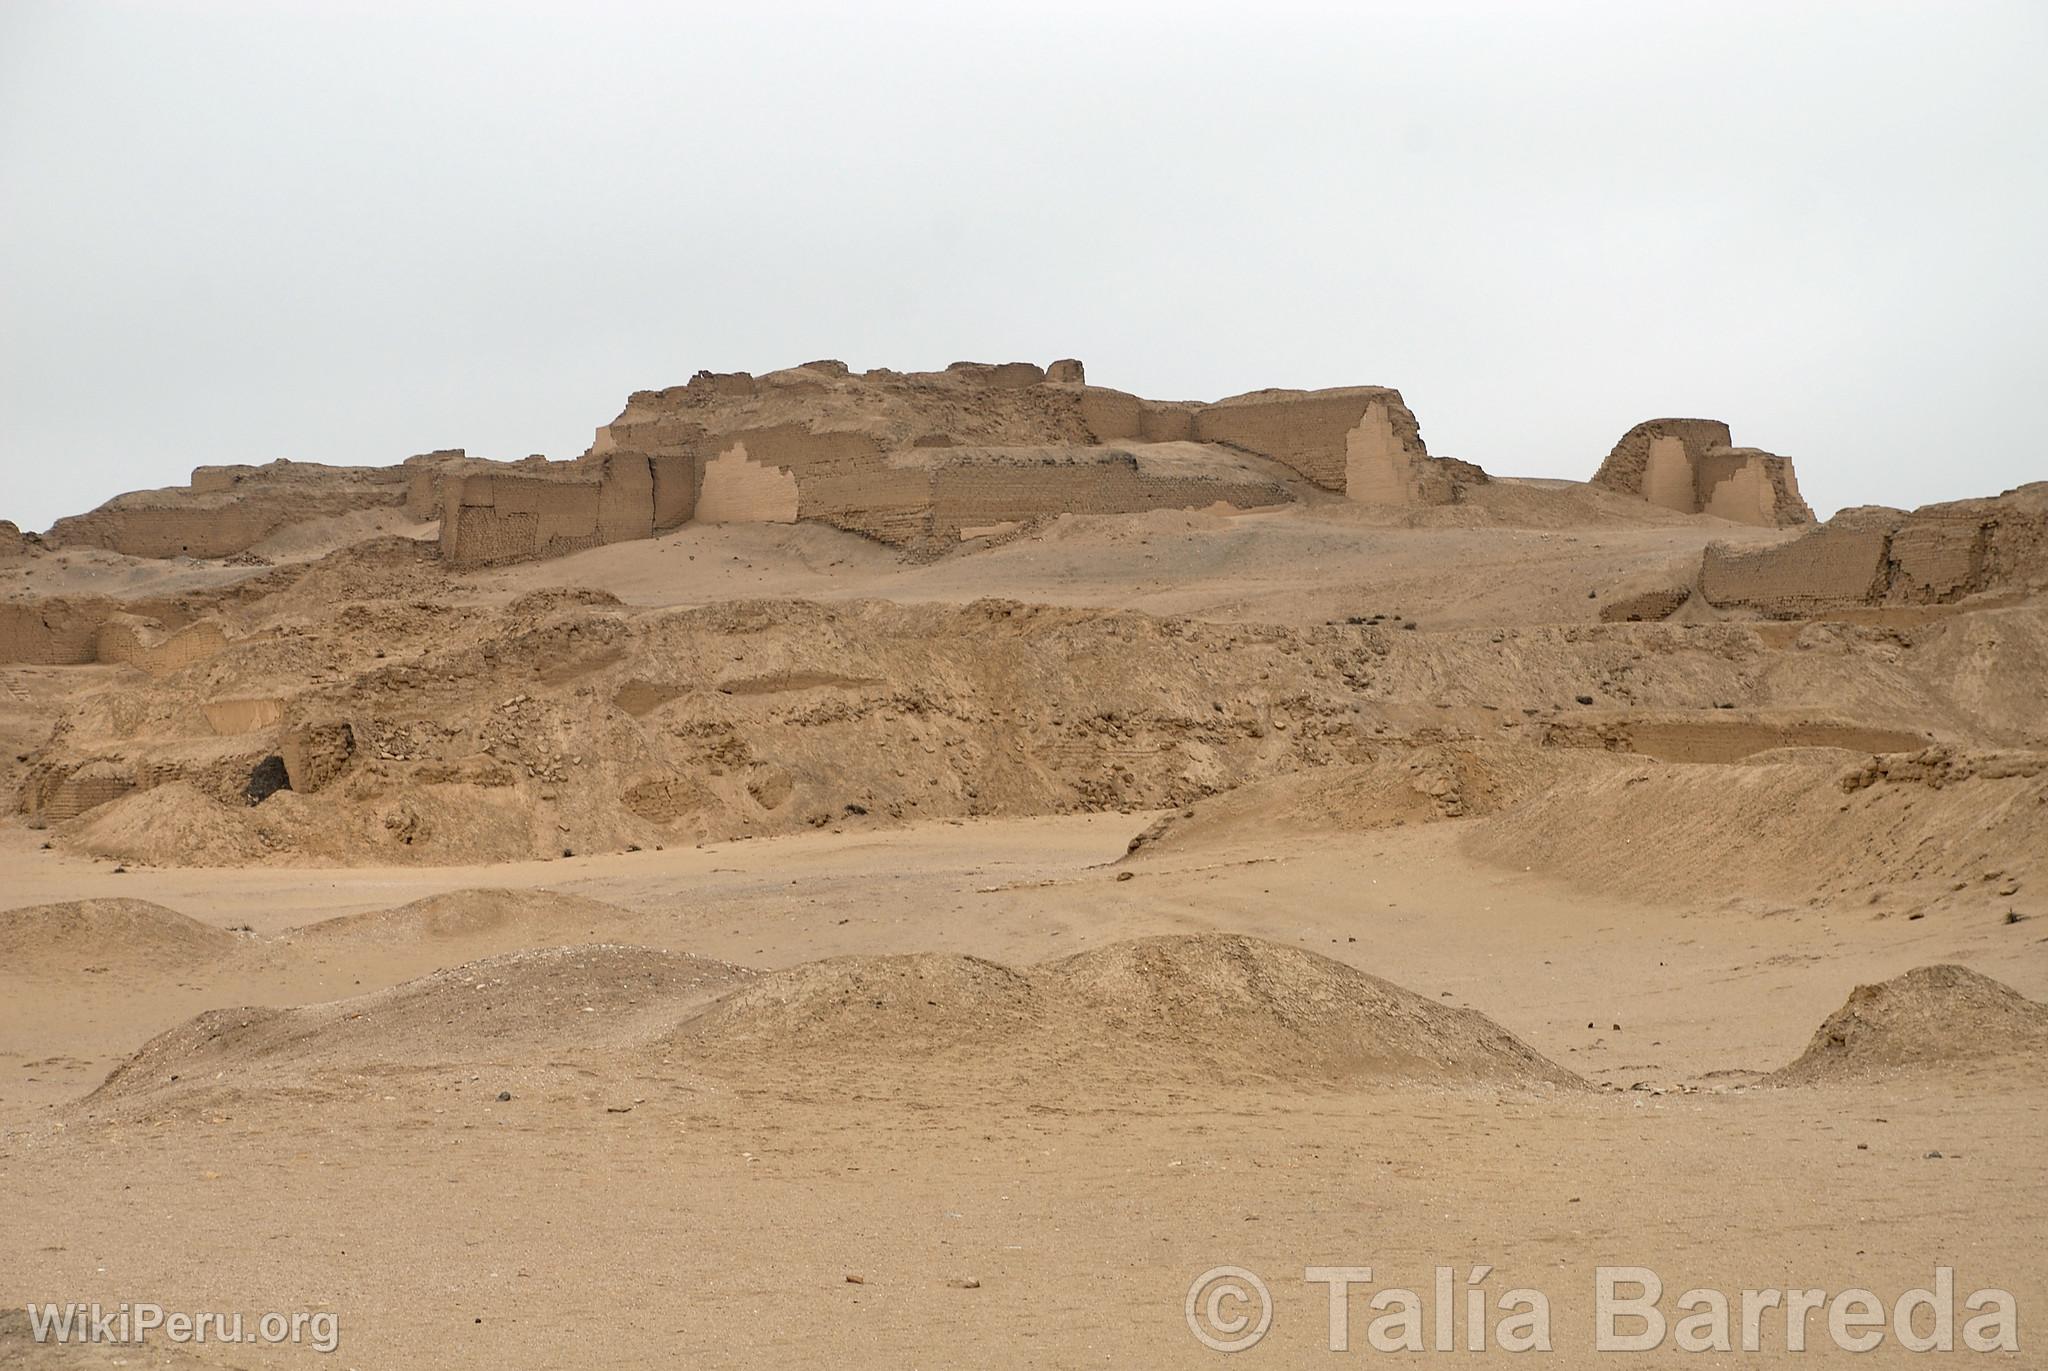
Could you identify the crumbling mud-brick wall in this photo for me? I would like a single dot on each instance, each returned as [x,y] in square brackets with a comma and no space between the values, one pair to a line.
[50,796]
[1937,554]
[978,490]
[229,509]
[126,640]
[1827,568]
[316,753]
[497,513]
[51,631]
[1693,467]
[1646,606]
[1360,441]
[1326,435]
[817,443]
[82,631]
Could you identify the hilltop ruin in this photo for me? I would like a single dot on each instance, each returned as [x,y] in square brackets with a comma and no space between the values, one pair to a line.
[1691,466]
[927,460]
[920,460]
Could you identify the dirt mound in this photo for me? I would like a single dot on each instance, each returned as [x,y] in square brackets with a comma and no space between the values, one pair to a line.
[537,918]
[107,935]
[1932,1018]
[1225,1003]
[1184,1010]
[900,1006]
[522,1009]
[174,824]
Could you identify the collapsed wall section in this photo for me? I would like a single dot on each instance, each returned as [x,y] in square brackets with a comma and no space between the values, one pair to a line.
[229,509]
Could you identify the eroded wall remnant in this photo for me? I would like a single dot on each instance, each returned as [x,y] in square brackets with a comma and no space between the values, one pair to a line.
[1693,467]
[229,509]
[1936,554]
[82,630]
[923,460]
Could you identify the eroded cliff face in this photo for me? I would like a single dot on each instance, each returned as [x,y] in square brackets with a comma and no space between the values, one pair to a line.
[1692,466]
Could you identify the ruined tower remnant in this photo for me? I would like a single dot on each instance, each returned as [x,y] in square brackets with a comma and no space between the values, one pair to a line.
[1691,466]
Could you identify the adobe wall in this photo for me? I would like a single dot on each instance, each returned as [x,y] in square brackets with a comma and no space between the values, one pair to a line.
[50,632]
[228,509]
[1943,552]
[1656,460]
[216,531]
[1827,568]
[1934,555]
[58,631]
[426,475]
[315,754]
[818,443]
[1000,487]
[1326,435]
[1692,466]
[52,797]
[1114,416]
[126,640]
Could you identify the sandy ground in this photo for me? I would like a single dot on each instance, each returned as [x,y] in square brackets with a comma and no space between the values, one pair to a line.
[725,1222]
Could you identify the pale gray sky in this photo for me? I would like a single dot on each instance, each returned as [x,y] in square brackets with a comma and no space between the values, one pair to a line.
[347,232]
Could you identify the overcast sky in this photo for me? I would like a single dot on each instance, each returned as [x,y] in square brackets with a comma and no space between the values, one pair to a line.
[351,232]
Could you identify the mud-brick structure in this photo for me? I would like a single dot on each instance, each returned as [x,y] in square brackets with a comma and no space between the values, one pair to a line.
[1871,555]
[925,460]
[1691,465]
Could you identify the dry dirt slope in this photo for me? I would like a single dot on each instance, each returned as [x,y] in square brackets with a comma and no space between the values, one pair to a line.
[563,723]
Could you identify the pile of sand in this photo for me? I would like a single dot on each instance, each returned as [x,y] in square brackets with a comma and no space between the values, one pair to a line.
[456,919]
[1223,1004]
[173,824]
[116,935]
[895,1008]
[1933,1018]
[519,1009]
[1183,1010]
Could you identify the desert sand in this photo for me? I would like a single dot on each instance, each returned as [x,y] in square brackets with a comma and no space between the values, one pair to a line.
[774,941]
